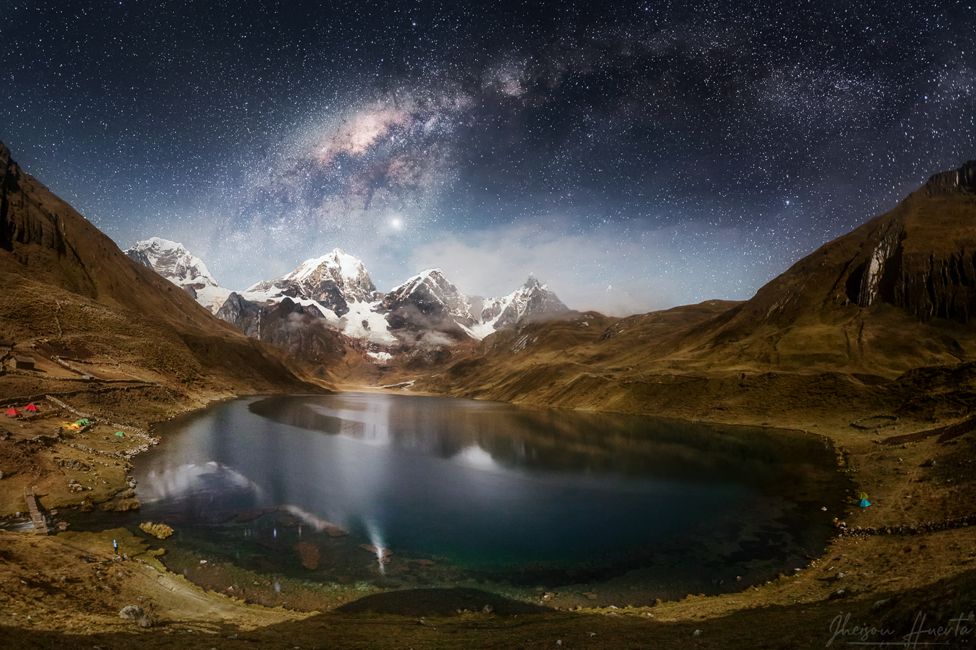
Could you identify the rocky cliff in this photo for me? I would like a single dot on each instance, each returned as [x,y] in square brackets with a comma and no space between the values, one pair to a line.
[924,258]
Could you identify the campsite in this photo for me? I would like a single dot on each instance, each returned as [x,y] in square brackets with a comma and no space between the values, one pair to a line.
[64,459]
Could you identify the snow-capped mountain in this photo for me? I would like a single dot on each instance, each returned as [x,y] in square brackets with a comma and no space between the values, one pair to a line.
[335,292]
[531,299]
[334,280]
[175,263]
[428,300]
[338,285]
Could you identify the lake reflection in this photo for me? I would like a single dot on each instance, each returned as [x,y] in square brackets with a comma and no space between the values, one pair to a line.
[489,489]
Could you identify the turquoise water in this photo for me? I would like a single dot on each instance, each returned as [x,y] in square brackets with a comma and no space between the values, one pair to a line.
[486,492]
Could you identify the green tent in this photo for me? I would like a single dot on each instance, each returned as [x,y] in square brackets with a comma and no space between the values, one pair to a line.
[120,434]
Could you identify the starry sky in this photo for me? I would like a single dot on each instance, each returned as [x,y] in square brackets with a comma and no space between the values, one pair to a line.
[634,155]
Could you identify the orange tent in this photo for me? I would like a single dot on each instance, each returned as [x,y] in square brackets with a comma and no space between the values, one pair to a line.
[12,413]
[31,407]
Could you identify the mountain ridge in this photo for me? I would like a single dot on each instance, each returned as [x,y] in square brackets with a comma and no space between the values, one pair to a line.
[426,310]
[849,322]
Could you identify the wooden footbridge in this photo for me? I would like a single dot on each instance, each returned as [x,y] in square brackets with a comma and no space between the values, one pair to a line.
[40,523]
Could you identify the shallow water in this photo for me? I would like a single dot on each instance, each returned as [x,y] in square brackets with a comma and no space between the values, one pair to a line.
[475,493]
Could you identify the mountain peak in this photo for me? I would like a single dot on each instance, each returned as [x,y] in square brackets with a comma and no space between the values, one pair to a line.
[157,242]
[174,262]
[432,277]
[335,280]
[532,299]
[428,300]
[348,266]
[336,285]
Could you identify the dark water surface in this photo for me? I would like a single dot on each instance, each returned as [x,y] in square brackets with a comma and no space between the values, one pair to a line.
[487,494]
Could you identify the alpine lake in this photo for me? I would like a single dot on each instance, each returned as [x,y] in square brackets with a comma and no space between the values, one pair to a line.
[360,493]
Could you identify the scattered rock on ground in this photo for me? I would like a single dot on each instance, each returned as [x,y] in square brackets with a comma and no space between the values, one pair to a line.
[136,614]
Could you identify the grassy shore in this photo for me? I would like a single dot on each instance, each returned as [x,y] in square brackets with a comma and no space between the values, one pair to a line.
[908,553]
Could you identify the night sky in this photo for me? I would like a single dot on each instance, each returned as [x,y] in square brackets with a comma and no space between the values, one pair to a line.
[635,155]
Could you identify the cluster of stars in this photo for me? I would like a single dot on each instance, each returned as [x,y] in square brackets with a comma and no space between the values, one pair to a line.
[699,147]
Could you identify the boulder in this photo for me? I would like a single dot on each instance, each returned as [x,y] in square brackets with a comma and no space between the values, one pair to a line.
[159,531]
[136,614]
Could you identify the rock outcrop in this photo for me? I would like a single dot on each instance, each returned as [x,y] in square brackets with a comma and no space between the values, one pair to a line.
[242,314]
[956,180]
[924,258]
[301,330]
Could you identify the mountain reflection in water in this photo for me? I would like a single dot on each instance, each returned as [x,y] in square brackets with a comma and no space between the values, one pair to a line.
[489,489]
[553,440]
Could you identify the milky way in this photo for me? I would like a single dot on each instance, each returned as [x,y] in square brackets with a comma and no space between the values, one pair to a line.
[636,155]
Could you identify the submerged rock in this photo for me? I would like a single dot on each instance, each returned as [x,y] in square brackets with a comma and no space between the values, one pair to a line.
[159,531]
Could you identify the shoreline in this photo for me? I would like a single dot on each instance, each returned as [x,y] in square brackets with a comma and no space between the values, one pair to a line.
[836,497]
[815,584]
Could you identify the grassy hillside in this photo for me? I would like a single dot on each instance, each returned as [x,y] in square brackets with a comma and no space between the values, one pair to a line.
[68,291]
[840,328]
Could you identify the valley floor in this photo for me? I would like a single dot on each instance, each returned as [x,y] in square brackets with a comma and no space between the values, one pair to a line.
[907,562]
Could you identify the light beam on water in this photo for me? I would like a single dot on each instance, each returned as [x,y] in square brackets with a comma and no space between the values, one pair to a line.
[376,539]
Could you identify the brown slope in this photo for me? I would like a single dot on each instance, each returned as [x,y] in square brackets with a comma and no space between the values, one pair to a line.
[827,333]
[69,290]
[894,294]
[584,360]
